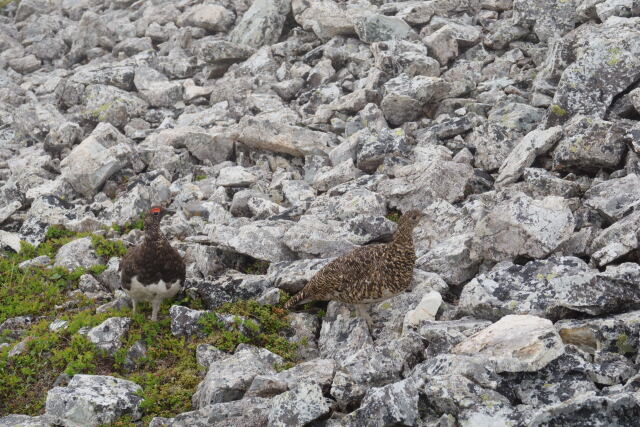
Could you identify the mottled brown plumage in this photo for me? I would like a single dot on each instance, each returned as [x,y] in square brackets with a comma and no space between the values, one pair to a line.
[367,274]
[153,270]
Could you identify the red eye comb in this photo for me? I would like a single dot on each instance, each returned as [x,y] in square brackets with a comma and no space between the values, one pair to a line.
[155,209]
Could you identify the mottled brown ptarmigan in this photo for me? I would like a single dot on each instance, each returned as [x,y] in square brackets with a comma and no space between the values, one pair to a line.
[152,271]
[367,274]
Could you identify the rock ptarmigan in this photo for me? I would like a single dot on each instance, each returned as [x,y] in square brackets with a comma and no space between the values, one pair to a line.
[367,274]
[152,271]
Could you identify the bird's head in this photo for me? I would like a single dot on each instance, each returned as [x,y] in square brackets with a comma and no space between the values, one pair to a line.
[410,219]
[153,217]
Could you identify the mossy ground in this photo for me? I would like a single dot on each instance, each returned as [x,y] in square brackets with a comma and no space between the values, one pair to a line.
[168,374]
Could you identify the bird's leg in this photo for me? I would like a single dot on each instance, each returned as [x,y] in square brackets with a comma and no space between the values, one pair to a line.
[133,303]
[361,310]
[155,307]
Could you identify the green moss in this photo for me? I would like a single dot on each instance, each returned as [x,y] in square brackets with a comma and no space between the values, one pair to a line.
[168,374]
[614,56]
[558,110]
[265,326]
[256,267]
[58,232]
[279,367]
[138,224]
[393,216]
[107,248]
[4,3]
[199,177]
[623,346]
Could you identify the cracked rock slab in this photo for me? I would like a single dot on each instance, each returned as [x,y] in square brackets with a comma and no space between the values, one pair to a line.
[515,343]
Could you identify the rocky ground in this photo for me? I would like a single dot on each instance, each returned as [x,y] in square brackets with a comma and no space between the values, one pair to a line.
[285,133]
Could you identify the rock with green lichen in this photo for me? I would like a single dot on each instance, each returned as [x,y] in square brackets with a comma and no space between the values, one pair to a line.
[590,143]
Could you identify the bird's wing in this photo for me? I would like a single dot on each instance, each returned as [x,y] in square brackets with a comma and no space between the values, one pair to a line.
[126,267]
[350,269]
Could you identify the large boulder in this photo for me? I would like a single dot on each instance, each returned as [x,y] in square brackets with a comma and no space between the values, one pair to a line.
[97,158]
[229,378]
[523,226]
[551,288]
[93,400]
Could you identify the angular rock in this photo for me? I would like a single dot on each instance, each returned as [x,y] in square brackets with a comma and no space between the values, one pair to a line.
[228,287]
[211,17]
[326,19]
[417,185]
[606,63]
[393,404]
[373,148]
[590,144]
[451,259]
[262,24]
[99,156]
[291,276]
[221,54]
[621,409]
[259,239]
[372,27]
[522,156]
[614,198]
[77,253]
[515,344]
[442,45]
[282,138]
[374,366]
[185,321]
[92,400]
[550,288]
[108,335]
[228,379]
[299,406]
[401,56]
[523,226]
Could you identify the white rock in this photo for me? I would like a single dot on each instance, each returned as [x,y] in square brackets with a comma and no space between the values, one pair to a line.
[77,253]
[108,335]
[515,343]
[98,157]
[426,309]
[92,400]
[236,176]
[299,406]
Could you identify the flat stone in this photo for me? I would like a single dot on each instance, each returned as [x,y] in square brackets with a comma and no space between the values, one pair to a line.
[515,344]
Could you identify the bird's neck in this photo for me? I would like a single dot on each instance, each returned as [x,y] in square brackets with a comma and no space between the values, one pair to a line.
[403,239]
[153,236]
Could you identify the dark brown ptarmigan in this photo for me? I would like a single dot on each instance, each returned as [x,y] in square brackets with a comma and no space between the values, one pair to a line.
[367,274]
[152,271]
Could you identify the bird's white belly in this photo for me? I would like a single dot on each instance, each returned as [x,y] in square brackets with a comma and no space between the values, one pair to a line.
[154,291]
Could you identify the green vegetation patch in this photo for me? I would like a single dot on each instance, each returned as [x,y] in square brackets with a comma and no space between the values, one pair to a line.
[264,326]
[138,224]
[558,110]
[168,373]
[394,216]
[256,267]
